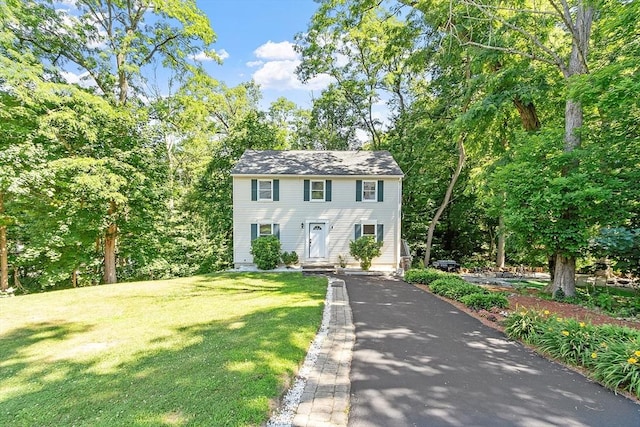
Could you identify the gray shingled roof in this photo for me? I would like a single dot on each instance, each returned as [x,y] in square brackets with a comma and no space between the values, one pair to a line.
[335,163]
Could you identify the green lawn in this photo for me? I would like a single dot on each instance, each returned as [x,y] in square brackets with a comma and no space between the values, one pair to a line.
[210,350]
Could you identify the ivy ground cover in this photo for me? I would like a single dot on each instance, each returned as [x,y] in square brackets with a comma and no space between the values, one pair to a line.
[205,350]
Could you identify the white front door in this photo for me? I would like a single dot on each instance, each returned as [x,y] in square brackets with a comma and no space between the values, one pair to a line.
[317,240]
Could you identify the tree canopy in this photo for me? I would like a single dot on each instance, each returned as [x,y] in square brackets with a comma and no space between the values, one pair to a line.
[517,125]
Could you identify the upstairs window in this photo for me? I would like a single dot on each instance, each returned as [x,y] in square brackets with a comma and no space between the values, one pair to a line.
[265,190]
[317,190]
[369,191]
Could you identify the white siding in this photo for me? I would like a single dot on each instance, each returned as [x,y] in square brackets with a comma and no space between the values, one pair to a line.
[293,214]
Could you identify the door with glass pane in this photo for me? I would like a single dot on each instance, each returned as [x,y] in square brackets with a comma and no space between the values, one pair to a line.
[317,240]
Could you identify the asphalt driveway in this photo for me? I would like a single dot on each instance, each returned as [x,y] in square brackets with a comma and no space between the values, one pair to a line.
[419,361]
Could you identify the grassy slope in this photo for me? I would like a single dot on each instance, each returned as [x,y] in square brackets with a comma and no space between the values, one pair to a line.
[205,350]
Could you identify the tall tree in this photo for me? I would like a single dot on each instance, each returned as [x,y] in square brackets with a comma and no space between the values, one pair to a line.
[112,41]
[365,53]
[331,124]
[518,34]
[212,196]
[556,33]
[24,96]
[198,119]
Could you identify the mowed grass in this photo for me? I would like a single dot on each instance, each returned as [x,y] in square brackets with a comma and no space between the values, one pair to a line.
[213,350]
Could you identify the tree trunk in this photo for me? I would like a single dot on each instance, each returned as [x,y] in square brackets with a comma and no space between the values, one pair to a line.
[564,275]
[445,201]
[551,264]
[16,280]
[501,243]
[528,114]
[170,146]
[565,268]
[123,83]
[4,264]
[110,247]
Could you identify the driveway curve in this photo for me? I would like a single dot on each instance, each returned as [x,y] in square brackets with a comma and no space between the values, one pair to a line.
[419,361]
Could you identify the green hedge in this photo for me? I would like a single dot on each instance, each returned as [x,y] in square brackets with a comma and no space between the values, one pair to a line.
[486,301]
[610,353]
[454,288]
[425,276]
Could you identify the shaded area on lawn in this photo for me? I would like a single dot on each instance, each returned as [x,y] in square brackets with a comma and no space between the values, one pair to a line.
[219,372]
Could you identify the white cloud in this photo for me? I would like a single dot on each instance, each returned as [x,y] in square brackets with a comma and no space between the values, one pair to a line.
[341,60]
[319,82]
[223,54]
[278,75]
[74,78]
[281,75]
[277,68]
[276,51]
[203,57]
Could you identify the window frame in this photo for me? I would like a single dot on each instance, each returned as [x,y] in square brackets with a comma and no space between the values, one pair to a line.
[378,229]
[311,190]
[260,225]
[371,224]
[264,199]
[365,191]
[274,229]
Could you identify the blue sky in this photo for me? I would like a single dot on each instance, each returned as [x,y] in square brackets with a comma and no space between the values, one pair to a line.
[255,38]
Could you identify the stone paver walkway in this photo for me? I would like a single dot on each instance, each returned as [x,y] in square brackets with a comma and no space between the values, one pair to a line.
[325,400]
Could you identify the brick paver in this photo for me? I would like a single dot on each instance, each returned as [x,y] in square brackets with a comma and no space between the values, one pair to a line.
[325,400]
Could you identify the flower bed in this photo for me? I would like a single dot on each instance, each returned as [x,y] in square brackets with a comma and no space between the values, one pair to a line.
[611,354]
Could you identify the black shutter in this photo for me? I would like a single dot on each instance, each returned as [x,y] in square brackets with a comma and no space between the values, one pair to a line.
[380,233]
[358,231]
[307,190]
[381,191]
[276,190]
[276,230]
[327,190]
[254,190]
[254,232]
[358,190]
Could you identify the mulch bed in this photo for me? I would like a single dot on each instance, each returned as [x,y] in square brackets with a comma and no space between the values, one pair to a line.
[532,302]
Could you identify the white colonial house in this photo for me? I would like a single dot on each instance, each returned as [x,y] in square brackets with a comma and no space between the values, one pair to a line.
[316,202]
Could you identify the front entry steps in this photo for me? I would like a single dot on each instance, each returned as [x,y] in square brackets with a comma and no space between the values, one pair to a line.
[318,268]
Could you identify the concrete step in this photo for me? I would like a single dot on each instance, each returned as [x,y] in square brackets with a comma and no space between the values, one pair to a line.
[318,268]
